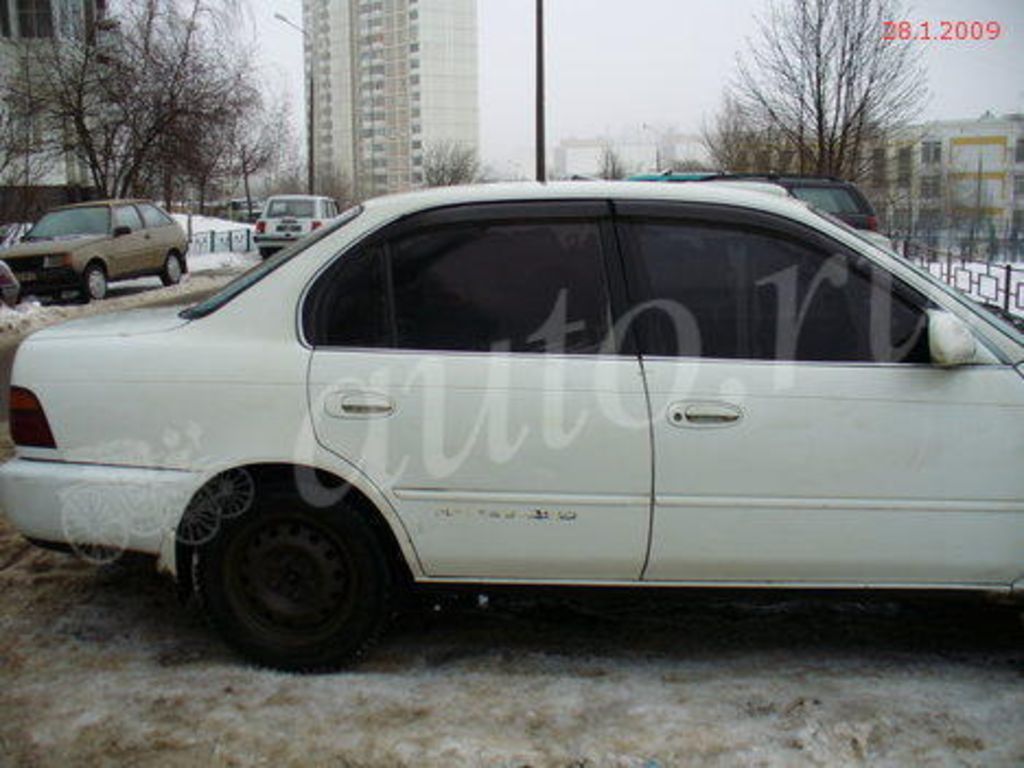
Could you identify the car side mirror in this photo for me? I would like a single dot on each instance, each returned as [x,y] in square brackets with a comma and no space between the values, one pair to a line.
[124,229]
[949,339]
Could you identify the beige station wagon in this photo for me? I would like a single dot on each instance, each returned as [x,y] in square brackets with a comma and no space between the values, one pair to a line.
[85,246]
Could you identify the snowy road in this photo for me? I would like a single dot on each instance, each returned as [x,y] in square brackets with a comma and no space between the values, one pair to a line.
[102,666]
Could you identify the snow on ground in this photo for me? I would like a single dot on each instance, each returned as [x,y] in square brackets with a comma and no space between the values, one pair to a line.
[208,223]
[216,237]
[215,262]
[102,666]
[985,282]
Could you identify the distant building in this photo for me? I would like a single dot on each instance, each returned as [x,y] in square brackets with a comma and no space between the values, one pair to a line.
[392,78]
[646,151]
[952,179]
[32,181]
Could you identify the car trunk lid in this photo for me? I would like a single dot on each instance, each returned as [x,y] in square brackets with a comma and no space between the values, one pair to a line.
[123,324]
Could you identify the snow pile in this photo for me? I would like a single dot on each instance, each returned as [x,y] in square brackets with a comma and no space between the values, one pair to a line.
[222,261]
[31,315]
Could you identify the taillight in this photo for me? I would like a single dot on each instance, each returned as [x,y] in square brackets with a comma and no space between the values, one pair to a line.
[873,223]
[261,227]
[316,225]
[29,426]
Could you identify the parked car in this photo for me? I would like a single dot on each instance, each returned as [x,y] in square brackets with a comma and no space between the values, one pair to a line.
[585,384]
[287,219]
[10,289]
[10,234]
[84,247]
[842,199]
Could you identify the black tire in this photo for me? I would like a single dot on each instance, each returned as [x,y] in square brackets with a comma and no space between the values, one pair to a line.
[295,588]
[266,253]
[94,282]
[173,269]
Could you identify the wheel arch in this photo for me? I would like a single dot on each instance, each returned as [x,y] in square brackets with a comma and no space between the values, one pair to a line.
[316,486]
[95,258]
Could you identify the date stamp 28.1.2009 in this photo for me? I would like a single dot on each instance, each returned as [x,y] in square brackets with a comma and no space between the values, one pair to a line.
[957,31]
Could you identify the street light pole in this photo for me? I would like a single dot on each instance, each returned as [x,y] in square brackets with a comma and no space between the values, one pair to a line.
[541,165]
[311,102]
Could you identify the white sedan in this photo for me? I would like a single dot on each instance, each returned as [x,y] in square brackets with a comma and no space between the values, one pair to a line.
[585,384]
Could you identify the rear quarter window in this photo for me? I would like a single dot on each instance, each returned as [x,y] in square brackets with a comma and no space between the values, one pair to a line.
[836,200]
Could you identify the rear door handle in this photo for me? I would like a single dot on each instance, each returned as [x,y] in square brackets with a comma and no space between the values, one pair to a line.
[709,414]
[358,405]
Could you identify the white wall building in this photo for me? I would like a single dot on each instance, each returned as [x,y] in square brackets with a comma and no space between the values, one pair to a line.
[33,180]
[646,151]
[392,78]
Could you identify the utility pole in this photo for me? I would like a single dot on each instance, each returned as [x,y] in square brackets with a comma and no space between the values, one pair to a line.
[541,165]
[311,101]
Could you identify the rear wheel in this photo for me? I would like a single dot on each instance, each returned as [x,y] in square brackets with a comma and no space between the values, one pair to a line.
[293,587]
[173,269]
[94,282]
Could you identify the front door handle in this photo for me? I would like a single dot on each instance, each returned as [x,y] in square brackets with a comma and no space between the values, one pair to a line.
[710,414]
[358,405]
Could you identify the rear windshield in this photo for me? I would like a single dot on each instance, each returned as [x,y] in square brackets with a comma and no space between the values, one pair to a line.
[248,279]
[835,200]
[300,209]
[72,221]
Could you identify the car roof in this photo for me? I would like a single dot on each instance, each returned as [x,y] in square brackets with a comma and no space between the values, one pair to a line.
[107,202]
[745,196]
[674,176]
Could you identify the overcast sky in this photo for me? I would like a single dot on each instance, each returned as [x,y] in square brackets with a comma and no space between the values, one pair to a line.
[614,66]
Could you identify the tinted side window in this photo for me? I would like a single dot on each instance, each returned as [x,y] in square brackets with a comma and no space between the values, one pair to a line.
[348,305]
[734,293]
[154,217]
[127,216]
[520,287]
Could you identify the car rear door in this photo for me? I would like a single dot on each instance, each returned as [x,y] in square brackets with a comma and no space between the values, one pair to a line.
[466,361]
[801,434]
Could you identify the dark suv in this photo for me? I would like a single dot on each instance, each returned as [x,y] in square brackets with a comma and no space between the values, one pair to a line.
[827,193]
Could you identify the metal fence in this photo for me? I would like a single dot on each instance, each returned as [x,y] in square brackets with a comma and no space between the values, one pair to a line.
[995,283]
[237,240]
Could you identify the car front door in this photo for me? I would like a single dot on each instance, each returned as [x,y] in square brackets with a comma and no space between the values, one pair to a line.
[161,236]
[466,362]
[801,433]
[128,251]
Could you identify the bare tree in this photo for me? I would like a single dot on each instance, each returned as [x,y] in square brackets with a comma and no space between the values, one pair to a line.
[690,165]
[821,77]
[612,166]
[448,162]
[736,141]
[152,83]
[254,139]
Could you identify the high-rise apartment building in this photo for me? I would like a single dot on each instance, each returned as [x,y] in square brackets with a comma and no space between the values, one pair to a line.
[391,78]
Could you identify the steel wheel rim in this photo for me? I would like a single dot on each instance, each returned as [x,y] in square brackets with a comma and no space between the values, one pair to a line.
[290,580]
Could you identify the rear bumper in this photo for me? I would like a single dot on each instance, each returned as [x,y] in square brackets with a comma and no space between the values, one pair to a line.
[123,508]
[276,241]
